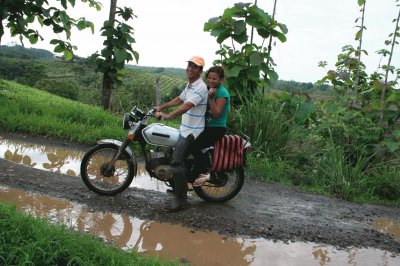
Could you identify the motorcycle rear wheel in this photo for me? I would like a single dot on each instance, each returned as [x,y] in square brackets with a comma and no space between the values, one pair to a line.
[216,192]
[103,180]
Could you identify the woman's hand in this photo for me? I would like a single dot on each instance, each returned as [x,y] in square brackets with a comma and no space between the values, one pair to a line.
[211,92]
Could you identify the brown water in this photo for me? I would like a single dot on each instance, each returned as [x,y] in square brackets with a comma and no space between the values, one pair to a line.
[388,226]
[171,241]
[196,247]
[62,160]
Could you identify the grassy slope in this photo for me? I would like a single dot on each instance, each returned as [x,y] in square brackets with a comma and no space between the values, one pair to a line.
[24,109]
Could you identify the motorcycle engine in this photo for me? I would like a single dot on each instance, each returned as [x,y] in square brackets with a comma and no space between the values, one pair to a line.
[160,164]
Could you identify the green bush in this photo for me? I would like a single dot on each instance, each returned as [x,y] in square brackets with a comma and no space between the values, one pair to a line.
[269,129]
[339,175]
[384,183]
[348,128]
[276,171]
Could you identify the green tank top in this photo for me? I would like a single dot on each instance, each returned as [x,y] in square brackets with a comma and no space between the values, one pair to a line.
[222,92]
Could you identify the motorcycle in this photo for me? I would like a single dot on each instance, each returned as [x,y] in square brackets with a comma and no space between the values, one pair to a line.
[109,167]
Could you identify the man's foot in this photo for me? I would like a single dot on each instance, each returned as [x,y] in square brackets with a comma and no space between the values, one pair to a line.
[175,205]
[172,190]
[201,179]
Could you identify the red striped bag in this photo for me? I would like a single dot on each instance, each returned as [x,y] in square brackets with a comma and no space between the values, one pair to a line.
[228,153]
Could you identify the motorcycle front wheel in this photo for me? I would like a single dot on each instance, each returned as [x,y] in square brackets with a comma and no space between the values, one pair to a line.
[222,186]
[100,177]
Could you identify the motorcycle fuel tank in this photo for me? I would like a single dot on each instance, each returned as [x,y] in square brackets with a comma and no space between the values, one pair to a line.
[159,134]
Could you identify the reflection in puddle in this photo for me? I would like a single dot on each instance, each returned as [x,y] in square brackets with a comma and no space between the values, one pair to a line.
[389,227]
[199,248]
[62,160]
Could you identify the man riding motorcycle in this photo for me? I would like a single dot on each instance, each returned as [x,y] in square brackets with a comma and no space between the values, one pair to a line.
[192,106]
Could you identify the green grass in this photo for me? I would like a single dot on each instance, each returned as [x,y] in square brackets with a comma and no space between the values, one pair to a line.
[24,109]
[26,240]
[275,170]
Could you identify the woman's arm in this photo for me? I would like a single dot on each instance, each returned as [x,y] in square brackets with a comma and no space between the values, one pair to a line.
[216,105]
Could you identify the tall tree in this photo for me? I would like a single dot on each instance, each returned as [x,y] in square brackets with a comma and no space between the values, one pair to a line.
[117,49]
[244,61]
[107,75]
[359,36]
[388,68]
[18,16]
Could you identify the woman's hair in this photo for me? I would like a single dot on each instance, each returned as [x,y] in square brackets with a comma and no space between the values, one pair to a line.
[217,70]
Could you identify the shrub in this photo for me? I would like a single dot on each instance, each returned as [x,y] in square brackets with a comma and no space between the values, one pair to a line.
[269,129]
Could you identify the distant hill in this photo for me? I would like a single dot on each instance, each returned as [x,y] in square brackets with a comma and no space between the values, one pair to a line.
[77,80]
[18,51]
[168,71]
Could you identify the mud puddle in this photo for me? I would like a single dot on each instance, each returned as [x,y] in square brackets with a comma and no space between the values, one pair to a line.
[63,160]
[194,247]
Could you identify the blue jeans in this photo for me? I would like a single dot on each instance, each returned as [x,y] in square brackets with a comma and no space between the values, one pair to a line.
[181,152]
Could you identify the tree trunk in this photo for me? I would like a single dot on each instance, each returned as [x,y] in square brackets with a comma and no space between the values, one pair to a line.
[359,53]
[1,28]
[107,81]
[385,85]
[106,92]
[270,39]
[158,92]
[252,28]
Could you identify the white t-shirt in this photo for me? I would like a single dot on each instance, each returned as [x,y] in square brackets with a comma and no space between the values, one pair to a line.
[194,119]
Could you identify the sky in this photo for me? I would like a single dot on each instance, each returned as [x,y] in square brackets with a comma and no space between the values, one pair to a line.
[168,33]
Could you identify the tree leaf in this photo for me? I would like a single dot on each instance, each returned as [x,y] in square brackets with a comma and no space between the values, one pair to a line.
[64,4]
[58,49]
[272,75]
[256,59]
[30,19]
[239,27]
[234,71]
[33,38]
[279,35]
[81,25]
[283,28]
[229,13]
[264,32]
[72,2]
[241,38]
[68,55]
[120,55]
[358,35]
[223,36]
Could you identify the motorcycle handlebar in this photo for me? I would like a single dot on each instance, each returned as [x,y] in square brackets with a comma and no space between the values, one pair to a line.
[152,113]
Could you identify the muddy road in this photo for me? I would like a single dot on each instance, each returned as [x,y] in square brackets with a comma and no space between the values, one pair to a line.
[260,210]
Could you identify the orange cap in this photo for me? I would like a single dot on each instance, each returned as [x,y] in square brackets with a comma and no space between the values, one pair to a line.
[197,60]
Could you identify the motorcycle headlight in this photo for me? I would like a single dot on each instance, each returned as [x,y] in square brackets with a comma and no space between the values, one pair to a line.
[137,112]
[126,121]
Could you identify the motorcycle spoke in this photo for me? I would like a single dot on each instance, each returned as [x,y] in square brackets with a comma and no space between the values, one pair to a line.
[216,191]
[101,159]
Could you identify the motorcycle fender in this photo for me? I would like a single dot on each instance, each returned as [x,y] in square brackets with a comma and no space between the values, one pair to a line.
[127,149]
